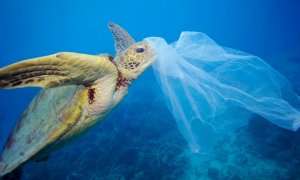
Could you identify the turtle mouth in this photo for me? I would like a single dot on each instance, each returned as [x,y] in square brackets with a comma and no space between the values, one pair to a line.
[150,60]
[144,63]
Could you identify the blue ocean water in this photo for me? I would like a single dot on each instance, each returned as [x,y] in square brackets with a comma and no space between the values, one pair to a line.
[140,139]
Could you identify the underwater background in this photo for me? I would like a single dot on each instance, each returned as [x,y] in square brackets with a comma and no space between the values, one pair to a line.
[140,138]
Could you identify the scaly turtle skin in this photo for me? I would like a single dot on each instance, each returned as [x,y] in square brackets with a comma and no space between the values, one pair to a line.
[79,91]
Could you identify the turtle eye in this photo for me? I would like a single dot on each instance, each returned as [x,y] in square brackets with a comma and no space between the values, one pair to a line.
[139,50]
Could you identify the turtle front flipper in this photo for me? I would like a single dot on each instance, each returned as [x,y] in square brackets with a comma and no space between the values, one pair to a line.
[56,70]
[122,39]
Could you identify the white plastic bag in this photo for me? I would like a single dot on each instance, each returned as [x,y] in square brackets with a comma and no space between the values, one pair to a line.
[212,91]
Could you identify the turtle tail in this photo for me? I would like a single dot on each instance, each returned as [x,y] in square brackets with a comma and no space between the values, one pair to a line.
[6,175]
[14,175]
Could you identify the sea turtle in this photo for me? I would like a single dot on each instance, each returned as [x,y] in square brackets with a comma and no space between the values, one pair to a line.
[79,91]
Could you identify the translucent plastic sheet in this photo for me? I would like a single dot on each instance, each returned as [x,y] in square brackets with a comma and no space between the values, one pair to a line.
[212,91]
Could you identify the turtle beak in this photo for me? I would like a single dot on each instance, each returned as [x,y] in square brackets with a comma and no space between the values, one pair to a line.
[121,37]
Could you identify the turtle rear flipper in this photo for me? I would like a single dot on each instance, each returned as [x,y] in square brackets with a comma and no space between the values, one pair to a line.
[56,70]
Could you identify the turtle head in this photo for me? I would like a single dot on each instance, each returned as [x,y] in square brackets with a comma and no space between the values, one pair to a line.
[132,57]
[135,60]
